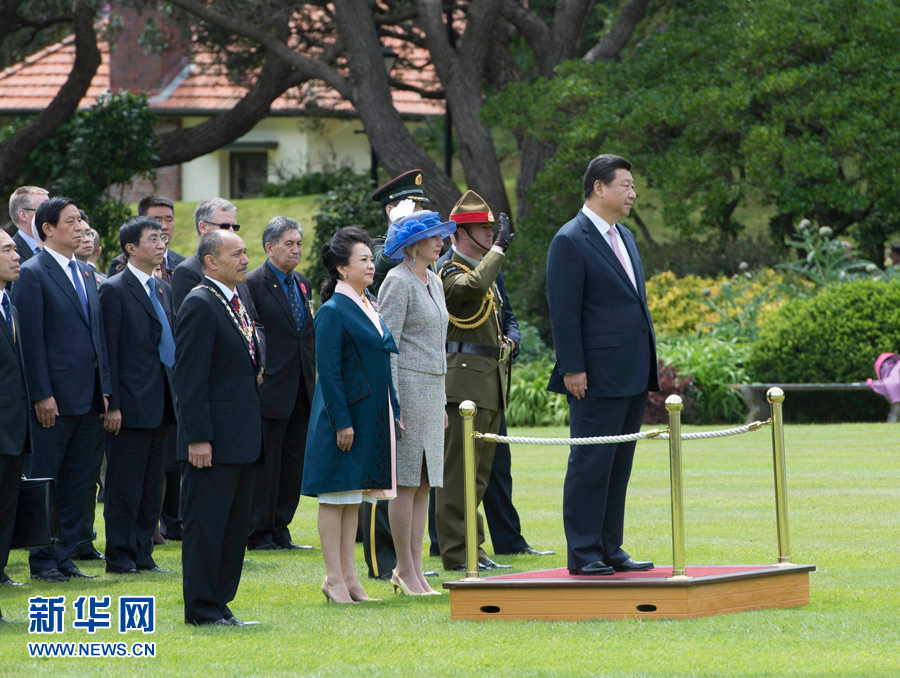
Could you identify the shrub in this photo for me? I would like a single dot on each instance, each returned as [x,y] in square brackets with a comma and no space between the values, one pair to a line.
[290,182]
[531,404]
[834,336]
[712,363]
[670,383]
[531,347]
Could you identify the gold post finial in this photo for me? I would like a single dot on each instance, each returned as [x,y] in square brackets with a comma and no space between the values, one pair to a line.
[674,403]
[467,409]
[775,395]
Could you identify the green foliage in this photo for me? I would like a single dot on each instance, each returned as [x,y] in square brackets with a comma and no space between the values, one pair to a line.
[824,260]
[346,205]
[531,347]
[834,336]
[290,182]
[712,363]
[789,103]
[110,143]
[531,404]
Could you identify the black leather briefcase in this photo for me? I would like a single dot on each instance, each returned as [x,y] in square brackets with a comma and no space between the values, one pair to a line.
[37,515]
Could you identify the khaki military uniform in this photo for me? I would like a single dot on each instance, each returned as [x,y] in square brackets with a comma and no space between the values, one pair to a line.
[479,378]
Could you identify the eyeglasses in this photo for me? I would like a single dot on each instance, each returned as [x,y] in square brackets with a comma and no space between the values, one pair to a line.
[233,227]
[154,239]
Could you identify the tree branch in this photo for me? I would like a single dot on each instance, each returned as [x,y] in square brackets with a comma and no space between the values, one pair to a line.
[87,60]
[619,35]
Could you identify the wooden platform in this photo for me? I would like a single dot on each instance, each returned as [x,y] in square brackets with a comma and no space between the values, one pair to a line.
[555,595]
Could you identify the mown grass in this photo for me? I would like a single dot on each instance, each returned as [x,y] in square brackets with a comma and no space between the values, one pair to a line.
[844,502]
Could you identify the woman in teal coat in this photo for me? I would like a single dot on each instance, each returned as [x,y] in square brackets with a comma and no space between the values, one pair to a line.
[351,444]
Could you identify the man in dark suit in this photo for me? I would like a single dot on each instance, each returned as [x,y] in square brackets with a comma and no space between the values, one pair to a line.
[605,362]
[23,204]
[161,209]
[67,370]
[217,377]
[138,320]
[282,299]
[14,420]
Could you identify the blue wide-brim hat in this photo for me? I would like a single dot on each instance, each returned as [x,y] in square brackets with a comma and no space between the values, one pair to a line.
[417,226]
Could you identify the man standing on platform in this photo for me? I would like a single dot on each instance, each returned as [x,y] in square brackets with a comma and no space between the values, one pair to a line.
[476,368]
[282,299]
[15,422]
[605,362]
[67,370]
[217,377]
[138,320]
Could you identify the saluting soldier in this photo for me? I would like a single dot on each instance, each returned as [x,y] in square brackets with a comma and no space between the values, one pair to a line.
[477,356]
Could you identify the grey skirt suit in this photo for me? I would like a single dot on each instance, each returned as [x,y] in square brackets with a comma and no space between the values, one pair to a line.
[416,316]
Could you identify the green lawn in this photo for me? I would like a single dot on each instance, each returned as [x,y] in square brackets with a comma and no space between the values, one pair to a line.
[844,500]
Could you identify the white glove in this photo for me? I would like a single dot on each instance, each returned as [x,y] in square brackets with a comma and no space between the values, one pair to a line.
[403,209]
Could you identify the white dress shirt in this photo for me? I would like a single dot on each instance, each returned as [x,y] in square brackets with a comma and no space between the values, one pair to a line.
[603,227]
[3,293]
[226,290]
[141,276]
[64,263]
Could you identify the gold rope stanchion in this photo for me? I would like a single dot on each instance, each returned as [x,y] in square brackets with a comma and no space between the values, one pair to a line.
[467,410]
[674,405]
[775,396]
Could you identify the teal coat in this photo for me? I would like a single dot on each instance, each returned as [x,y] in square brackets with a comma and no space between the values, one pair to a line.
[354,384]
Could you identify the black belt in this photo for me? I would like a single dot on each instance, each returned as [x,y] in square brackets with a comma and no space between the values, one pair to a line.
[474,349]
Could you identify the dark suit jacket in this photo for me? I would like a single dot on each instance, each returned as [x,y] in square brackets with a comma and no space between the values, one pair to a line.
[218,398]
[65,355]
[23,248]
[15,423]
[133,332]
[172,261]
[601,324]
[288,352]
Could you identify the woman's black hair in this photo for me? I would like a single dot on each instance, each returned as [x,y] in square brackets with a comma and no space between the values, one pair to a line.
[336,252]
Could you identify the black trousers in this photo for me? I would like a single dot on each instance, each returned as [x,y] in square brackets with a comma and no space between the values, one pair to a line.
[134,477]
[65,451]
[378,540]
[277,490]
[170,516]
[86,532]
[216,503]
[597,478]
[499,512]
[10,480]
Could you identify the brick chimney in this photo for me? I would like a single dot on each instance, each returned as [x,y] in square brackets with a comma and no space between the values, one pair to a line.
[133,70]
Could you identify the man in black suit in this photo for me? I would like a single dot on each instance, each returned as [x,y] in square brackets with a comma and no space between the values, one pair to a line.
[217,377]
[67,370]
[282,299]
[14,420]
[138,320]
[605,362]
[23,204]
[161,209]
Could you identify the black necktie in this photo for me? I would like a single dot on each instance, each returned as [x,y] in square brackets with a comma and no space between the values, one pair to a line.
[290,286]
[7,311]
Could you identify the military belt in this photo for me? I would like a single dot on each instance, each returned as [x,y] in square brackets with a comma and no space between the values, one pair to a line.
[498,353]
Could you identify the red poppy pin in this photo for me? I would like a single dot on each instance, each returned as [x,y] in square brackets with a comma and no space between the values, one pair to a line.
[303,287]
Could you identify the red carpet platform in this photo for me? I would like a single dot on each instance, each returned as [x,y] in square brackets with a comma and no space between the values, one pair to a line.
[555,595]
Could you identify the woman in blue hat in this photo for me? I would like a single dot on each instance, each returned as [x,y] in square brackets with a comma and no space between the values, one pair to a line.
[411,302]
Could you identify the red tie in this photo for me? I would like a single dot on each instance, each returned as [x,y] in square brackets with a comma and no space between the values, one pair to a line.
[238,308]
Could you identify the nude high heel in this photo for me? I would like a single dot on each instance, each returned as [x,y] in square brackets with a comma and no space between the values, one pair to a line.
[398,583]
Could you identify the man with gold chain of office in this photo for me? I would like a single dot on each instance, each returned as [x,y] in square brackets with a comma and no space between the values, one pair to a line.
[477,363]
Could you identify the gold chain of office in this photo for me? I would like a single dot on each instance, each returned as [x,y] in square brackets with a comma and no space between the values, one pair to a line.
[483,313]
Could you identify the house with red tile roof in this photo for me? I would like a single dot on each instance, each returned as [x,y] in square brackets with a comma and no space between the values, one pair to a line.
[308,127]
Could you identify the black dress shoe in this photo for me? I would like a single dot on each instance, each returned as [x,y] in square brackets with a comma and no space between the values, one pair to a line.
[132,570]
[632,565]
[597,568]
[219,622]
[528,551]
[51,576]
[10,582]
[482,566]
[75,572]
[234,621]
[155,568]
[491,565]
[93,554]
[4,620]
[385,576]
[263,547]
[291,546]
[431,573]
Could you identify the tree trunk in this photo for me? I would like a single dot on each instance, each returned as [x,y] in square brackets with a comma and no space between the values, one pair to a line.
[20,145]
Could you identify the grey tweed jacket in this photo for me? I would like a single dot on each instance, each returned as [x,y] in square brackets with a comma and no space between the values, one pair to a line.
[417,317]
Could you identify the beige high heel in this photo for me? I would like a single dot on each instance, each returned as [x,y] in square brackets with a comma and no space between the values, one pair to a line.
[398,583]
[329,599]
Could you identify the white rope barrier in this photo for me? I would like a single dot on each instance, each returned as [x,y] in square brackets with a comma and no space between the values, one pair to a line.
[655,434]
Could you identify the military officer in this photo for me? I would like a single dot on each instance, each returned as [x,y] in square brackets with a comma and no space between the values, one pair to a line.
[476,367]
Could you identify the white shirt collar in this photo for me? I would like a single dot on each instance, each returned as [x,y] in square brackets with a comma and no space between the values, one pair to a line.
[3,293]
[472,261]
[140,275]
[597,220]
[227,291]
[61,259]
